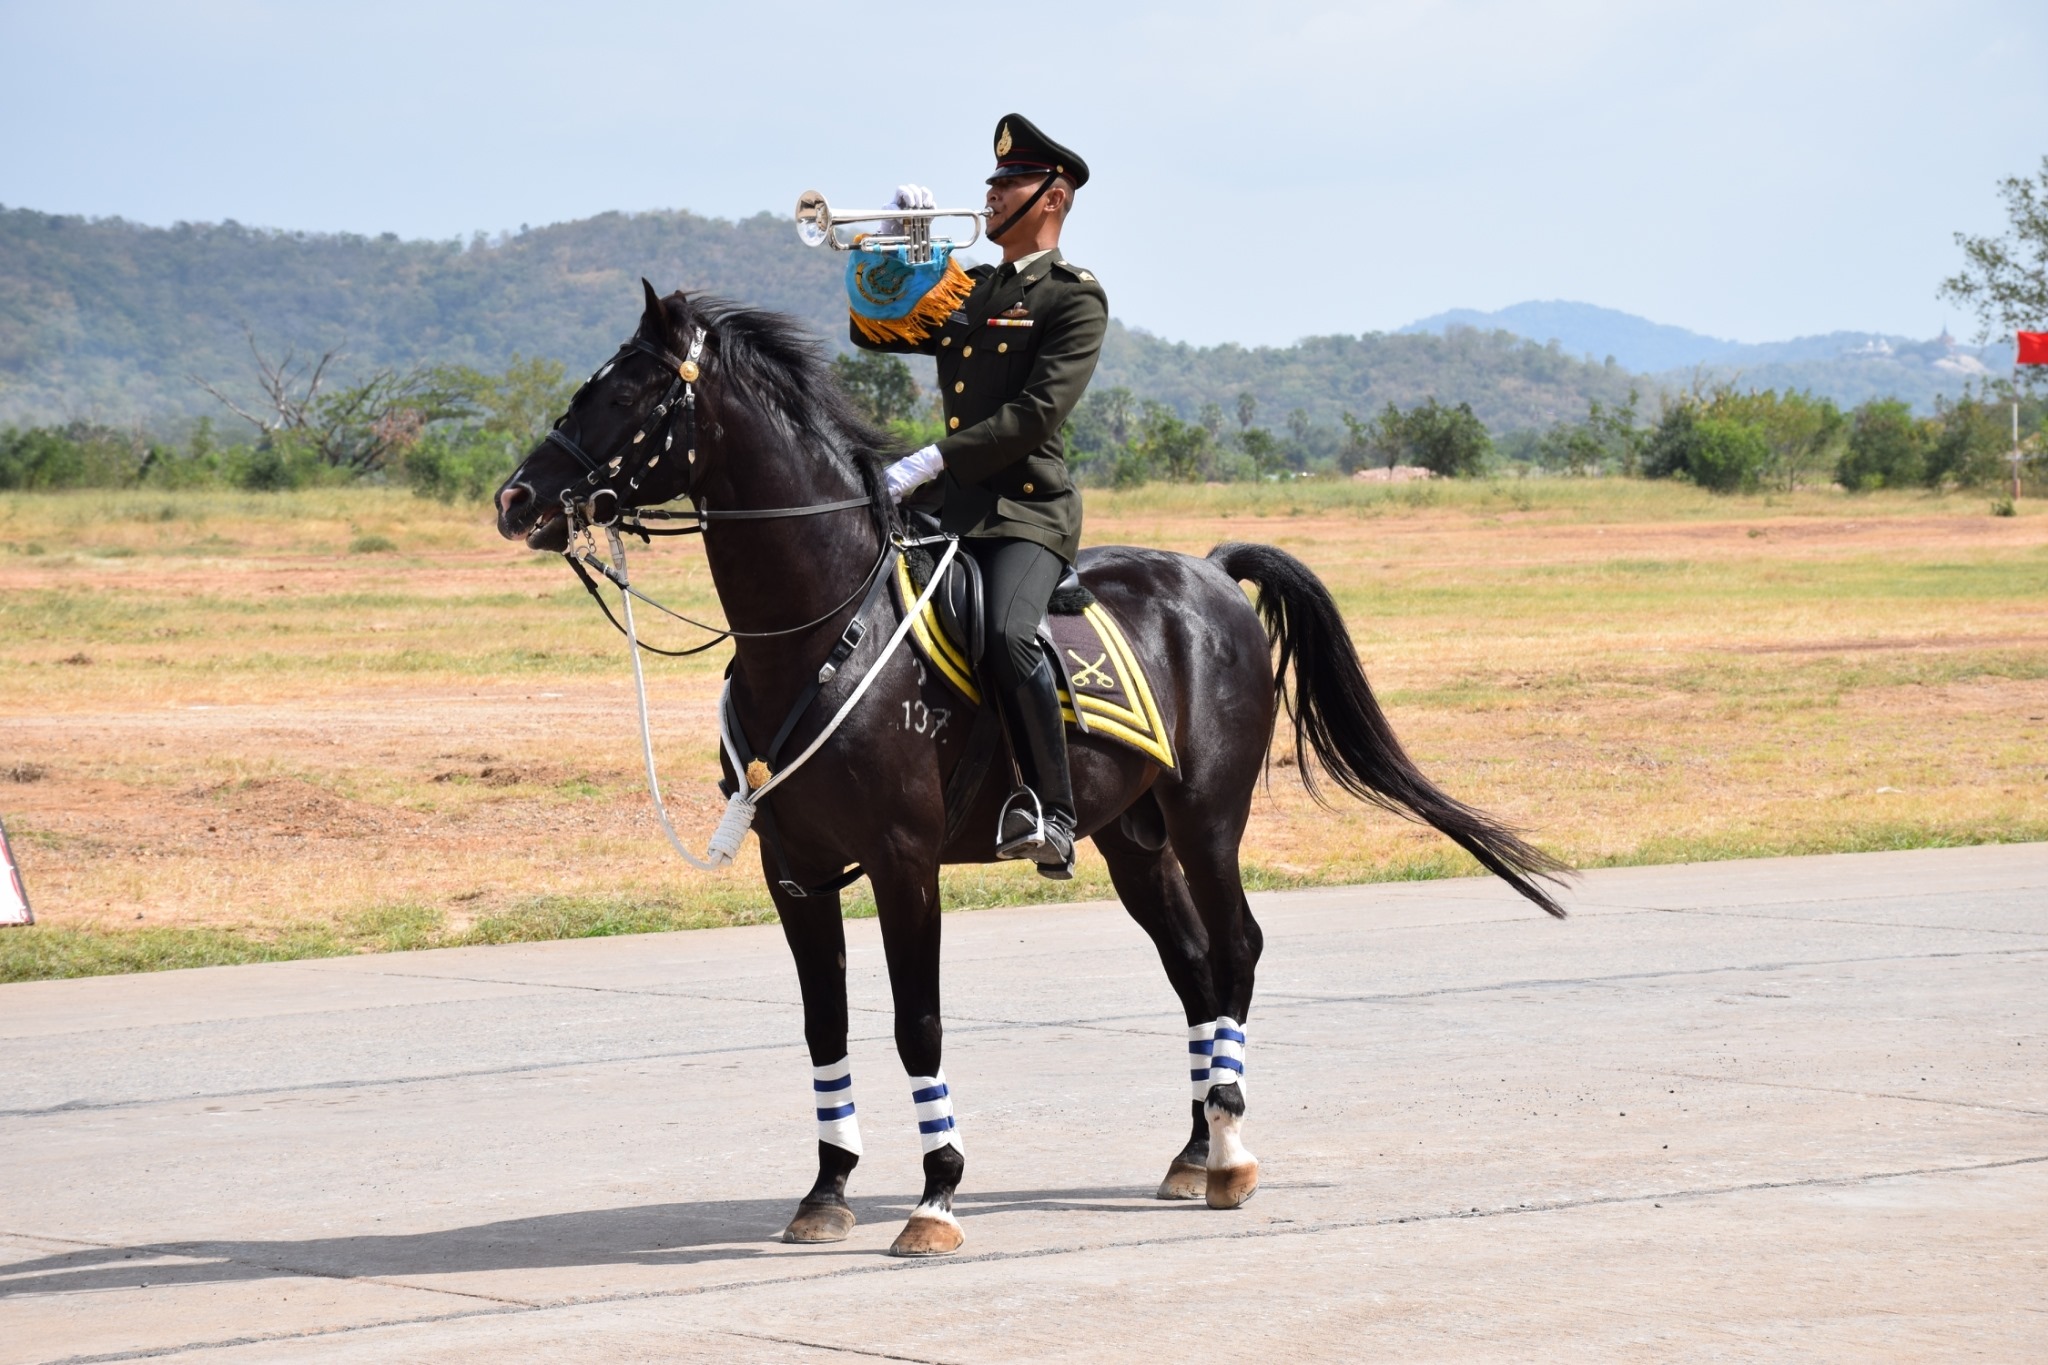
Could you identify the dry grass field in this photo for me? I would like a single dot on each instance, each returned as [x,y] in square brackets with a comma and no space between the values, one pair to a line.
[238,726]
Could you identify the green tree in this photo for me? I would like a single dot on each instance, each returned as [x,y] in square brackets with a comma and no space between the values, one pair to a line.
[880,386]
[1887,447]
[1264,451]
[1211,419]
[1169,444]
[2004,279]
[1449,441]
[1361,437]
[306,428]
[1247,409]
[1727,455]
[1971,444]
[1799,431]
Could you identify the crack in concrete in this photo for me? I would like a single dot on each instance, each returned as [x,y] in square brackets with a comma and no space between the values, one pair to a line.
[969,1024]
[1856,923]
[1618,978]
[1838,1090]
[836,1350]
[1270,1230]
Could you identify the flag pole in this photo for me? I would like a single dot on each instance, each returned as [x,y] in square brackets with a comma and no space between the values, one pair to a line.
[2015,451]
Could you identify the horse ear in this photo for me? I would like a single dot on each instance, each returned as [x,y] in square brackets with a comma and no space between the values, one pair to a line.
[654,324]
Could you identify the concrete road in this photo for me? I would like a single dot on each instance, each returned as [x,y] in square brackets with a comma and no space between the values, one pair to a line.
[1739,1110]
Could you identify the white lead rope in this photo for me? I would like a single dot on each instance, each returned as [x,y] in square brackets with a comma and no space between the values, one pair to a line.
[739,808]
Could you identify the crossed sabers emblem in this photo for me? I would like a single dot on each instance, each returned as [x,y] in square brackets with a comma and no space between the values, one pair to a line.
[1091,675]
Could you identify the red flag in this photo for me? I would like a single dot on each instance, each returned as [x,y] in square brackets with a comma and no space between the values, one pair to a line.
[2033,348]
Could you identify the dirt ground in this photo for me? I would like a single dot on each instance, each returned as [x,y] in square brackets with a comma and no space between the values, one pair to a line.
[216,712]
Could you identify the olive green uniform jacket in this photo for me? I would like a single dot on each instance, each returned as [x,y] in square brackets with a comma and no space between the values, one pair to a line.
[1013,361]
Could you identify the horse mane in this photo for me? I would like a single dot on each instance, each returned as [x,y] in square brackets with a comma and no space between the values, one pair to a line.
[776,362]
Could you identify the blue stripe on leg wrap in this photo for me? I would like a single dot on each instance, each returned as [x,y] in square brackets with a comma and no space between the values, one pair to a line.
[933,1100]
[832,1089]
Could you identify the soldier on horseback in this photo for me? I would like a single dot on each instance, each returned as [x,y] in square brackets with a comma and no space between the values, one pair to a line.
[1015,345]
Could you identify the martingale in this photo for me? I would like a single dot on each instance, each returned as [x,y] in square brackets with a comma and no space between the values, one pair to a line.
[1096,664]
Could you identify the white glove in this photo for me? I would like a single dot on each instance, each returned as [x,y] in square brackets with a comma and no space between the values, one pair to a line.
[907,197]
[912,471]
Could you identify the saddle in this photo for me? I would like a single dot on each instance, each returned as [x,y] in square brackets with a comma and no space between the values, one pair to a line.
[1103,689]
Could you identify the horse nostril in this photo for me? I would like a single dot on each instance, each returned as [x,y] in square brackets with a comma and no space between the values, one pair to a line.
[512,496]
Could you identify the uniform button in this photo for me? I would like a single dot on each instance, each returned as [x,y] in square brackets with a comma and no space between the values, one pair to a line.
[966,351]
[945,341]
[959,386]
[1002,346]
[952,424]
[1030,488]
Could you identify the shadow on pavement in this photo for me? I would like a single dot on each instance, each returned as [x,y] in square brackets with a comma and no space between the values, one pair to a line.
[649,1235]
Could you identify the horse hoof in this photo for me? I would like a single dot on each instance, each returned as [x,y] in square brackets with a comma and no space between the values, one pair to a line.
[819,1223]
[928,1234]
[1184,1180]
[1232,1186]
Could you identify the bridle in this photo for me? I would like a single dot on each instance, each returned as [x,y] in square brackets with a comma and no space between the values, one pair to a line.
[587,513]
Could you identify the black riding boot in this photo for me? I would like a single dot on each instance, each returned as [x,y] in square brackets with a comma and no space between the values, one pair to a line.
[1038,823]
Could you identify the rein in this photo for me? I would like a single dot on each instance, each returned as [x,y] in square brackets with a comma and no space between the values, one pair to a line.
[753,781]
[678,400]
[740,807]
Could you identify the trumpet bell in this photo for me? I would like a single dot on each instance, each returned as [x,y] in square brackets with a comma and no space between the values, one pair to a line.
[813,218]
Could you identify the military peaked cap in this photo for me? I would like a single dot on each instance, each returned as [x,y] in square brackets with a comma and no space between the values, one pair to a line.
[1021,149]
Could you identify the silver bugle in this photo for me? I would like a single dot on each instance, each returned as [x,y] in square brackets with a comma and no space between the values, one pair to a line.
[817,223]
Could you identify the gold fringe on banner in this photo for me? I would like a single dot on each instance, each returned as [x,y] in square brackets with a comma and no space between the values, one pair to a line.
[920,322]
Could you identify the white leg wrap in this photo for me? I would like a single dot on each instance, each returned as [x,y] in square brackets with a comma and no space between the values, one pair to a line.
[1215,1055]
[1201,1038]
[832,1088]
[935,1127]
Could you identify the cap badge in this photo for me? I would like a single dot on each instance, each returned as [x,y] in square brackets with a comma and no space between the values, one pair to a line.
[1003,140]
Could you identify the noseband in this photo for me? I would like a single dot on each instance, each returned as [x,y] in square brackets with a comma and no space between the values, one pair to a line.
[680,399]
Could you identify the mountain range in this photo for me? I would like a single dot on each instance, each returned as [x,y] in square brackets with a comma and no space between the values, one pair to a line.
[114,321]
[1846,366]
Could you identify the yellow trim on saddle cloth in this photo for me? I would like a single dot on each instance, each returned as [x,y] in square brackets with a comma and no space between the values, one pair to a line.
[1140,727]
[926,317]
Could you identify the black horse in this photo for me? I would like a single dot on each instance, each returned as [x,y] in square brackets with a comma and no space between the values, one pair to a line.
[733,408]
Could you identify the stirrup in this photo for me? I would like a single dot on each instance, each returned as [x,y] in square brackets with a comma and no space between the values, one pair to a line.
[1028,844]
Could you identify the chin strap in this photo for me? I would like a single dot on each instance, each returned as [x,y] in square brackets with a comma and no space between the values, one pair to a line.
[996,234]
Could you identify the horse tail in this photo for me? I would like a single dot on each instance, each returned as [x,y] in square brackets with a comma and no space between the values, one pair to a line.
[1335,715]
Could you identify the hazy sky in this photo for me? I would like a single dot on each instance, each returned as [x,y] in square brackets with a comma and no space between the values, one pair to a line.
[1750,170]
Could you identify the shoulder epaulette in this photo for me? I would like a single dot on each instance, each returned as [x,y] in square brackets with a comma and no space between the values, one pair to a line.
[1076,271]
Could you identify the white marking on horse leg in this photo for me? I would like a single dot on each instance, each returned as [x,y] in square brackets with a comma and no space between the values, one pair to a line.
[832,1089]
[935,1126]
[1233,1170]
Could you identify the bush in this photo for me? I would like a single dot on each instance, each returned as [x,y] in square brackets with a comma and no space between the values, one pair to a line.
[1451,442]
[1727,456]
[280,462]
[81,455]
[1970,447]
[1888,448]
[459,462]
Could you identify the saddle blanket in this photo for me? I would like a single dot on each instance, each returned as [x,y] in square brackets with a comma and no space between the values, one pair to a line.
[1105,693]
